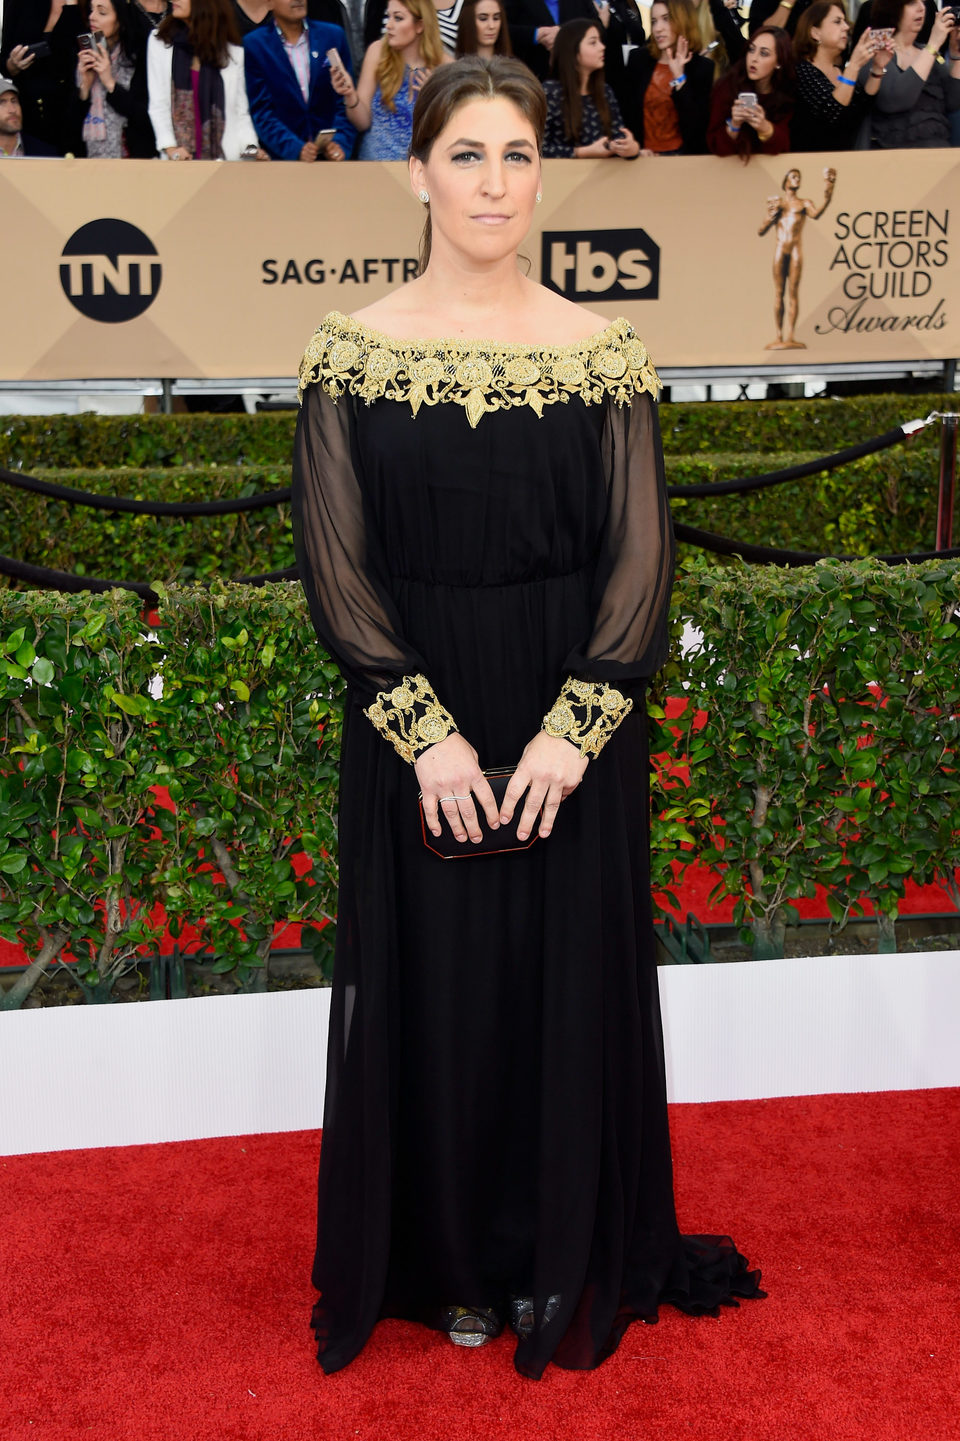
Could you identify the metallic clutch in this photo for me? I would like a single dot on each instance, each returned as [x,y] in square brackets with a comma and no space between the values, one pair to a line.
[494,842]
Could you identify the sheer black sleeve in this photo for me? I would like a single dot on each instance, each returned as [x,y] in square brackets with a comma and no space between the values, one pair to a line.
[630,634]
[341,567]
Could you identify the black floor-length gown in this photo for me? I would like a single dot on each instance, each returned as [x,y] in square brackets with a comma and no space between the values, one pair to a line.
[477,523]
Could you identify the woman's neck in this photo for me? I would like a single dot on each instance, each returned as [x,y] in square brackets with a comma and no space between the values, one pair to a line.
[906,41]
[585,77]
[486,52]
[453,284]
[411,56]
[764,86]
[827,60]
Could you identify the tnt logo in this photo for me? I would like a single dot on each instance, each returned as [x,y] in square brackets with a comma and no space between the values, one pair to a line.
[601,264]
[107,272]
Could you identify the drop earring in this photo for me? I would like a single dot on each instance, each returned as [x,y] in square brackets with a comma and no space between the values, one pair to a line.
[423,197]
[539,196]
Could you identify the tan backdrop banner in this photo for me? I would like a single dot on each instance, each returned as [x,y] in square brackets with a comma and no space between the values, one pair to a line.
[138,269]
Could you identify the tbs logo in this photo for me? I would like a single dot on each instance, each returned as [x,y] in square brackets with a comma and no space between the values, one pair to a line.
[601,264]
[110,271]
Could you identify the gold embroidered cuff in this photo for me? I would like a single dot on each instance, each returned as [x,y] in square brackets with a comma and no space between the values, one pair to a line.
[587,713]
[411,717]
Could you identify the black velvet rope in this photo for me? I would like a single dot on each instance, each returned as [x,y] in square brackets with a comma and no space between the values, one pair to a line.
[791,472]
[63,581]
[769,555]
[143,507]
[277,497]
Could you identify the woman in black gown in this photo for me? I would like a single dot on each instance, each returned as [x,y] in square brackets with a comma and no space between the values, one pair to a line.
[483,536]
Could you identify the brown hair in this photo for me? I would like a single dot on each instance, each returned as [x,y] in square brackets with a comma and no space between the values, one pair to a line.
[563,65]
[472,78]
[683,18]
[467,29]
[390,66]
[804,45]
[885,14]
[210,27]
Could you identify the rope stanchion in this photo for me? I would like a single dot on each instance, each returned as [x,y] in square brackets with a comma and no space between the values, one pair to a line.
[184,508]
[770,555]
[69,584]
[805,468]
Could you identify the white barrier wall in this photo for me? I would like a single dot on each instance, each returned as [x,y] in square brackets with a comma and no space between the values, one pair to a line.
[83,1076]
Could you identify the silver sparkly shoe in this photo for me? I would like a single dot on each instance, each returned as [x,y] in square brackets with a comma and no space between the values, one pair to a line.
[467,1327]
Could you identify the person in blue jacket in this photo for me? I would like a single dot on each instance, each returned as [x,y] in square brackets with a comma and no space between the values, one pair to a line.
[288,85]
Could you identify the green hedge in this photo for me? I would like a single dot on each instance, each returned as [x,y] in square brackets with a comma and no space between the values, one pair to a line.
[786,769]
[821,728]
[883,504]
[124,546]
[244,736]
[67,441]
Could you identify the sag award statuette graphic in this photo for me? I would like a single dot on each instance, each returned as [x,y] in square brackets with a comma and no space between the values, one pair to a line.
[789,213]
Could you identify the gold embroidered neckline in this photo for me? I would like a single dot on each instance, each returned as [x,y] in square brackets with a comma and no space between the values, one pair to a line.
[481,375]
[484,345]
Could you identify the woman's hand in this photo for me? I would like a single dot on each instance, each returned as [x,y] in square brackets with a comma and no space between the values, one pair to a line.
[677,56]
[178,152]
[624,145]
[333,151]
[21,57]
[942,26]
[954,38]
[450,777]
[865,49]
[100,62]
[756,116]
[342,84]
[598,150]
[552,768]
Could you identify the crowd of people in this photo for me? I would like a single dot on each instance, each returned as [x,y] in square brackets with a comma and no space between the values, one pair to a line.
[335,80]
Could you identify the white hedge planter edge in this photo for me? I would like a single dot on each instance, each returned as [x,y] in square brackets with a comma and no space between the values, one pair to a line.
[117,1075]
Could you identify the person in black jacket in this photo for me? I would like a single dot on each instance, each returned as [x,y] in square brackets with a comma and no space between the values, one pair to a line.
[669,84]
[38,52]
[534,25]
[112,86]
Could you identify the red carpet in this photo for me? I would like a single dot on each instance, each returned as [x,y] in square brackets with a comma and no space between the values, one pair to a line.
[162,1292]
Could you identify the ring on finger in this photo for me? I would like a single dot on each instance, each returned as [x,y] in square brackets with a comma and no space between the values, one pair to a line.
[452,798]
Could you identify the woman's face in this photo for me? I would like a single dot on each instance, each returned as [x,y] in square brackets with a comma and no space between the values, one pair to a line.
[832,32]
[103,17]
[590,52]
[912,17]
[489,18]
[482,176]
[762,59]
[661,27]
[181,9]
[401,28]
